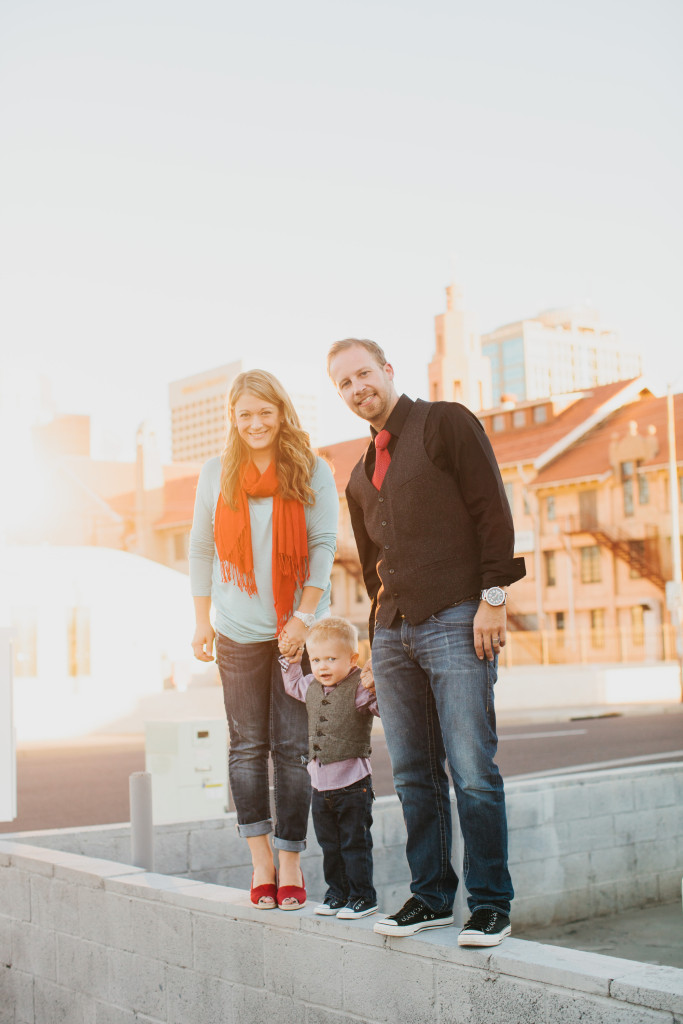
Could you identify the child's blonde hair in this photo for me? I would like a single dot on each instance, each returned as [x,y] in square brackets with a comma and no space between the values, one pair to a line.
[334,628]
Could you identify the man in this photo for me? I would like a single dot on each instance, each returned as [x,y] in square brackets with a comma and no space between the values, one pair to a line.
[435,539]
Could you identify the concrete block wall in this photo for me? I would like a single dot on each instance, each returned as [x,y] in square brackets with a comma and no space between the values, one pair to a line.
[580,845]
[86,941]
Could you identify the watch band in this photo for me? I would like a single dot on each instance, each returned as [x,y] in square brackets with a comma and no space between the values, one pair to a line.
[308,618]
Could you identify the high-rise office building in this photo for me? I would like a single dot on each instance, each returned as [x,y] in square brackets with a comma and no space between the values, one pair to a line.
[198,409]
[556,352]
[458,372]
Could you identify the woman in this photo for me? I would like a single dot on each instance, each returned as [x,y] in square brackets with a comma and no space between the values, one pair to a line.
[261,549]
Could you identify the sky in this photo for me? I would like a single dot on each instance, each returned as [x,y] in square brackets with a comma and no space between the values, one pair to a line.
[185,184]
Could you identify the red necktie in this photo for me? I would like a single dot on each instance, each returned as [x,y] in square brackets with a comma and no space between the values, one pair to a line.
[382,459]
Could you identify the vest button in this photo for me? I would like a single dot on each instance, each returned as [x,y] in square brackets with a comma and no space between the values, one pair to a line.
[326,701]
[384,522]
[319,732]
[381,499]
[386,547]
[316,747]
[391,572]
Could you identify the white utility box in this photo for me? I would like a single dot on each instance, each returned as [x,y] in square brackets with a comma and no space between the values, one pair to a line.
[188,762]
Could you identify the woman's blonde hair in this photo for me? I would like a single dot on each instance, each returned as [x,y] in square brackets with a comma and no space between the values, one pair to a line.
[294,458]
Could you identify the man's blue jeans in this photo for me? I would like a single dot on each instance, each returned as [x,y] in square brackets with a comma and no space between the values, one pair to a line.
[264,721]
[436,704]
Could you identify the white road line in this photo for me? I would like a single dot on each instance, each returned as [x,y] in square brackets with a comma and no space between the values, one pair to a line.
[624,762]
[542,735]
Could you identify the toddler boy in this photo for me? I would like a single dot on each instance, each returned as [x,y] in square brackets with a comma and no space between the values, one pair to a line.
[340,713]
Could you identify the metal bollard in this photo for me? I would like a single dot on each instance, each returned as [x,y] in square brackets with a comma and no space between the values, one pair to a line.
[141,823]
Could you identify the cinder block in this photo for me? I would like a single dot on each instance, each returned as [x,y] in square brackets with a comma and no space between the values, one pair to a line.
[526,810]
[146,885]
[635,827]
[16,996]
[654,791]
[72,867]
[402,987]
[33,859]
[613,863]
[213,848]
[54,904]
[653,986]
[661,855]
[669,885]
[539,876]
[60,1005]
[5,942]
[603,899]
[638,891]
[611,796]
[390,866]
[555,965]
[161,931]
[105,1013]
[33,950]
[15,893]
[533,843]
[82,966]
[478,997]
[198,999]
[587,834]
[288,967]
[172,853]
[99,915]
[137,983]
[570,802]
[255,1005]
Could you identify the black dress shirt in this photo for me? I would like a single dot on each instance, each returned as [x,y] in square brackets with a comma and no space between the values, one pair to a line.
[456,443]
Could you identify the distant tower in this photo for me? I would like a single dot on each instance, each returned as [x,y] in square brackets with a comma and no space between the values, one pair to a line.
[458,372]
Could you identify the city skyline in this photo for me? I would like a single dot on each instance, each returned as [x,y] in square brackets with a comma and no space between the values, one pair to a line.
[187,187]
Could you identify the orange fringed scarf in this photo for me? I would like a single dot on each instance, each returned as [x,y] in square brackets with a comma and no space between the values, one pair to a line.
[232,533]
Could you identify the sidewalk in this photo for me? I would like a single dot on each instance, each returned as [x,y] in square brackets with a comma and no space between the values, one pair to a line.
[652,935]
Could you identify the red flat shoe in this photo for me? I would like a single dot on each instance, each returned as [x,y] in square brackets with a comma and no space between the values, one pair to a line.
[292,892]
[260,892]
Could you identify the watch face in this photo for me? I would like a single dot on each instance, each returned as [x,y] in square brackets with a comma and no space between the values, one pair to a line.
[495,596]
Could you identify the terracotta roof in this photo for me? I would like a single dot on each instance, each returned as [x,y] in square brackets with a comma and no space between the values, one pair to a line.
[178,501]
[525,444]
[344,457]
[589,457]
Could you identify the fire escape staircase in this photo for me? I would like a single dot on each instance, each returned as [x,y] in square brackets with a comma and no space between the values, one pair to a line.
[640,553]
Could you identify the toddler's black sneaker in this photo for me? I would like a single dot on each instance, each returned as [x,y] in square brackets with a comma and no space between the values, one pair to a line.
[330,906]
[485,927]
[413,917]
[357,908]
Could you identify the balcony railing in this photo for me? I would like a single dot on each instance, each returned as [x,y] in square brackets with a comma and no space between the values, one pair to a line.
[560,647]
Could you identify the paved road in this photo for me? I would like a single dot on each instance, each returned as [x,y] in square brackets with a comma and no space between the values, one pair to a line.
[86,782]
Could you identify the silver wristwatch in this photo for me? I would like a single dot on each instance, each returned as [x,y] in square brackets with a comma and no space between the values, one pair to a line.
[308,618]
[495,596]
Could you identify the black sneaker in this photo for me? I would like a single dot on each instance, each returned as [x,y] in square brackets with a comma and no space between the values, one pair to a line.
[413,917]
[485,927]
[357,908]
[330,906]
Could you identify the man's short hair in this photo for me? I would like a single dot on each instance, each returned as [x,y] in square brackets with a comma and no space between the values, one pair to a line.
[334,628]
[370,346]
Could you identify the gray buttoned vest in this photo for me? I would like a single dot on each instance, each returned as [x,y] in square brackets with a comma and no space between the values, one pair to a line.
[336,729]
[426,540]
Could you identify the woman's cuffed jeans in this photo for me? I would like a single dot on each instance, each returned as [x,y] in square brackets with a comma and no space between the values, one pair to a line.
[435,699]
[264,721]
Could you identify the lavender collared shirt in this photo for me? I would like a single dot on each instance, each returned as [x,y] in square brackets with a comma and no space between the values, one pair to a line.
[338,774]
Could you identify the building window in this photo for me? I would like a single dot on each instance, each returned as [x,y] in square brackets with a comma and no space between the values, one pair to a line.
[510,495]
[637,552]
[527,507]
[643,489]
[540,413]
[519,418]
[78,642]
[550,510]
[25,642]
[498,423]
[559,621]
[627,487]
[637,626]
[598,627]
[590,564]
[360,592]
[680,488]
[550,574]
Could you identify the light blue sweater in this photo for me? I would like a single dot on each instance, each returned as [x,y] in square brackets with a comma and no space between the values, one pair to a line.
[242,618]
